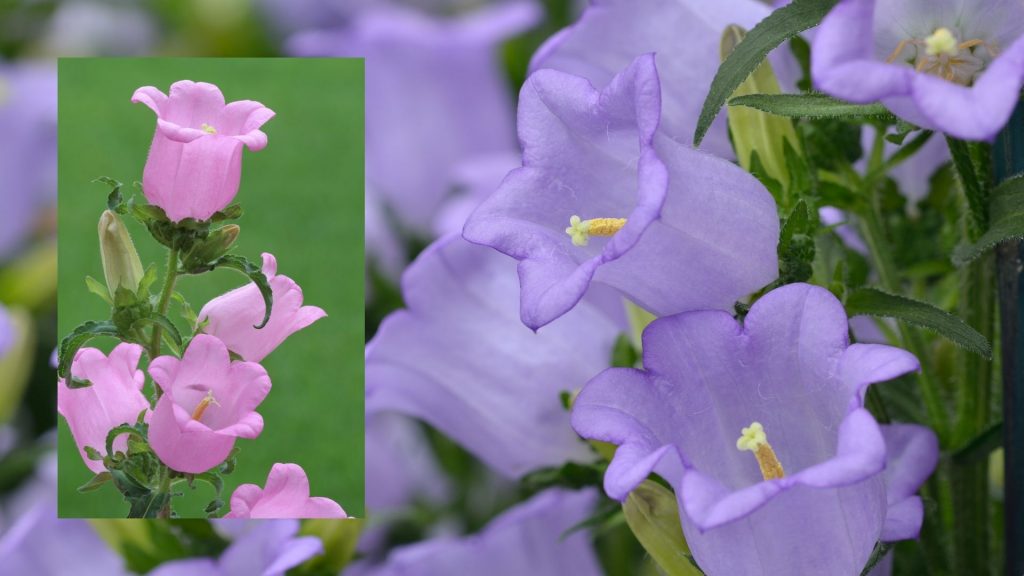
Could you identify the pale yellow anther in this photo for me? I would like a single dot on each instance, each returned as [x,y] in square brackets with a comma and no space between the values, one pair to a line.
[942,41]
[581,230]
[208,129]
[753,439]
[204,404]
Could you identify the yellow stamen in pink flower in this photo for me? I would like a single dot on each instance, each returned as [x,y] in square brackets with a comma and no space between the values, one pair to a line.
[207,128]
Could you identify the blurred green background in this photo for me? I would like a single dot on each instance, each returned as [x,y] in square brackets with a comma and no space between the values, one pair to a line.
[303,200]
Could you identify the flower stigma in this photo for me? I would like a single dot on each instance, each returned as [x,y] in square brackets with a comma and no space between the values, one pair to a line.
[204,404]
[208,129]
[753,439]
[581,230]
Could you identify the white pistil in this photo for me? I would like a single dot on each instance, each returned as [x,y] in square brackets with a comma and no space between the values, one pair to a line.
[204,404]
[581,230]
[753,439]
[208,129]
[941,42]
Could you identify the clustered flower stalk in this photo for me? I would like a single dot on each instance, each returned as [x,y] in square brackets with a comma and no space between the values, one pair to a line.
[208,385]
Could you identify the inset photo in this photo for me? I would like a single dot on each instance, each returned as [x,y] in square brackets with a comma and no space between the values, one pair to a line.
[210,301]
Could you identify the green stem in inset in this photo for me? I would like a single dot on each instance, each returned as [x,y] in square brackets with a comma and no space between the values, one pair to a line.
[165,301]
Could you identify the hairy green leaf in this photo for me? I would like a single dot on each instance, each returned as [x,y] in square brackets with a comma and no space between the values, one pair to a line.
[812,105]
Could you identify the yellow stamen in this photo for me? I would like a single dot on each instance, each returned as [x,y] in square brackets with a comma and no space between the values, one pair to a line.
[753,439]
[204,404]
[581,230]
[942,41]
[208,129]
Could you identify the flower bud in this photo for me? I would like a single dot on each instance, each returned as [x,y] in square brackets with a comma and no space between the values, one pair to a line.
[214,246]
[753,130]
[121,264]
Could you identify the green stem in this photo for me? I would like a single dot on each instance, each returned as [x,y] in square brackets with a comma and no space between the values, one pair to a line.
[874,237]
[165,488]
[165,300]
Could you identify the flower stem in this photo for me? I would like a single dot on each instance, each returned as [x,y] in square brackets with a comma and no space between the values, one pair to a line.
[165,300]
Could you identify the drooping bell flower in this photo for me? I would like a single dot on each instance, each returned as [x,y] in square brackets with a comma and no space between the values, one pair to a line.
[956,67]
[459,358]
[113,397]
[267,548]
[285,495]
[28,149]
[603,197]
[686,35]
[436,94]
[208,401]
[195,161]
[233,317]
[530,538]
[762,432]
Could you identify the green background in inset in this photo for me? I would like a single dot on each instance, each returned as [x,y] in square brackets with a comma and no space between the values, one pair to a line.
[303,201]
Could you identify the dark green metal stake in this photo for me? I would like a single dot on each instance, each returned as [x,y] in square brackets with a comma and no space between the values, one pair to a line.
[1008,160]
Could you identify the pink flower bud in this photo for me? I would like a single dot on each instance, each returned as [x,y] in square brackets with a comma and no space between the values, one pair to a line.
[208,402]
[195,162]
[286,495]
[232,316]
[114,397]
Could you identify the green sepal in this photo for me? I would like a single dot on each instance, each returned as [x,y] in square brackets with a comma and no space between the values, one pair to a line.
[148,279]
[874,302]
[95,483]
[796,245]
[652,513]
[115,200]
[98,289]
[77,383]
[254,273]
[78,337]
[92,453]
[232,212]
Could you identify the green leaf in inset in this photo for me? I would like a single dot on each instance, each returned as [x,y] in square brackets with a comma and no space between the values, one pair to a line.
[170,330]
[811,106]
[77,338]
[95,483]
[652,513]
[1006,214]
[778,27]
[874,302]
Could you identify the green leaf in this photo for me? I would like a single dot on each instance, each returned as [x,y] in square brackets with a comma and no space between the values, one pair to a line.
[147,280]
[1006,210]
[239,263]
[778,27]
[148,505]
[76,384]
[115,201]
[98,289]
[796,245]
[119,430]
[186,309]
[232,212]
[95,483]
[812,105]
[874,302]
[77,338]
[979,447]
[569,475]
[653,515]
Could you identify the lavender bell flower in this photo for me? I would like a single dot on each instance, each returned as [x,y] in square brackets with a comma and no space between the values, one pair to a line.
[459,359]
[28,149]
[266,548]
[788,388]
[435,95]
[686,35]
[474,180]
[527,539]
[42,545]
[601,196]
[956,66]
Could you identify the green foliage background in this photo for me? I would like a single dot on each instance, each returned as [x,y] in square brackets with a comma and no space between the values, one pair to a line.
[303,201]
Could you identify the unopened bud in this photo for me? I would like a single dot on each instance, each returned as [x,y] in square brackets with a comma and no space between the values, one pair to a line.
[121,264]
[216,244]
